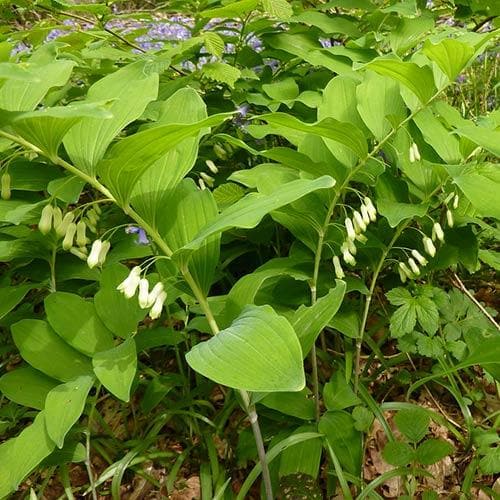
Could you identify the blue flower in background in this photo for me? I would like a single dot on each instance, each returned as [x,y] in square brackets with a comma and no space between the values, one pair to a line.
[142,238]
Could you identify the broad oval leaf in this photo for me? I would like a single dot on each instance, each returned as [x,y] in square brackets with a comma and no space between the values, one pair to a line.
[116,368]
[27,386]
[450,55]
[76,321]
[64,405]
[419,80]
[131,89]
[259,352]
[43,349]
[249,211]
[20,455]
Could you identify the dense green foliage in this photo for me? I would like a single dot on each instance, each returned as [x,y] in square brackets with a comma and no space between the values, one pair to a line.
[234,237]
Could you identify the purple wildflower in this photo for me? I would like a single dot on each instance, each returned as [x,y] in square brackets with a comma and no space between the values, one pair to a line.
[142,238]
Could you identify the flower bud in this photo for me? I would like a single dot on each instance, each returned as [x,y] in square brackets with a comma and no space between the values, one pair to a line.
[359,223]
[411,154]
[372,211]
[202,185]
[351,233]
[365,215]
[449,218]
[81,237]
[158,305]
[78,253]
[155,292]
[129,285]
[348,257]
[350,245]
[45,223]
[419,257]
[361,238]
[63,226]
[97,209]
[416,152]
[212,167]
[220,152]
[57,217]
[429,246]
[69,236]
[208,180]
[404,271]
[339,272]
[456,199]
[92,216]
[90,225]
[413,266]
[143,293]
[5,182]
[106,245]
[93,258]
[437,231]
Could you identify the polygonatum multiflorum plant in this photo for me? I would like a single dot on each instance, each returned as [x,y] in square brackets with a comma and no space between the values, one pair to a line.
[246,188]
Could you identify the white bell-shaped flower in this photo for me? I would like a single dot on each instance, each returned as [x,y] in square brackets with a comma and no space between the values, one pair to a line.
[143,293]
[155,311]
[429,246]
[351,233]
[93,258]
[129,285]
[339,272]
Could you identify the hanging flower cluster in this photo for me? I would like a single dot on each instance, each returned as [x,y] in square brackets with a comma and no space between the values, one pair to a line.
[412,267]
[206,179]
[154,299]
[355,227]
[74,234]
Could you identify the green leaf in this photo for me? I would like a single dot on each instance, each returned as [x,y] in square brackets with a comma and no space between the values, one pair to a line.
[43,349]
[234,357]
[427,314]
[249,211]
[13,71]
[418,79]
[282,90]
[304,457]
[27,386]
[154,188]
[430,347]
[246,288]
[399,296]
[396,212]
[308,322]
[450,55]
[116,368]
[328,24]
[487,138]
[20,455]
[10,296]
[297,404]
[221,72]
[338,394]
[340,432]
[278,8]
[363,418]
[413,423]
[64,405]
[345,133]
[131,157]
[378,97]
[438,136]
[213,43]
[234,9]
[480,185]
[46,73]
[76,321]
[67,188]
[490,463]
[47,127]
[131,88]
[398,453]
[433,450]
[191,210]
[409,32]
[403,320]
[119,314]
